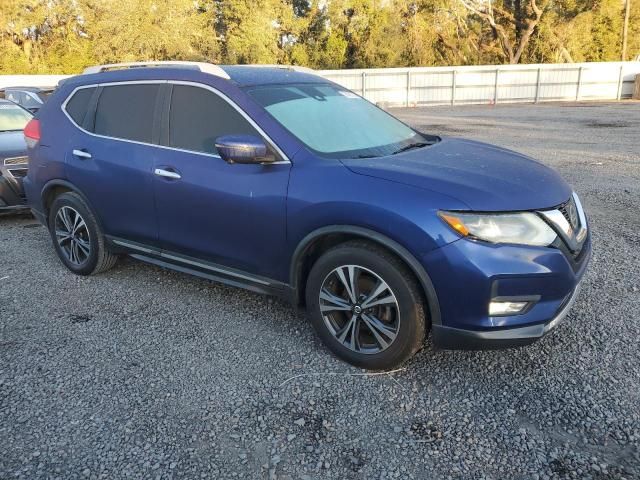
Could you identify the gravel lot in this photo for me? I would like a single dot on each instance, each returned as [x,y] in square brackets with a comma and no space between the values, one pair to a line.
[145,373]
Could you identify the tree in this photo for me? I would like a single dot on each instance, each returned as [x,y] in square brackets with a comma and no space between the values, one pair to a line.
[321,41]
[155,30]
[512,24]
[64,36]
[43,36]
[251,30]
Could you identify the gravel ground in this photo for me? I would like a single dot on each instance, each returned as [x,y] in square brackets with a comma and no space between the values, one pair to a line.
[145,373]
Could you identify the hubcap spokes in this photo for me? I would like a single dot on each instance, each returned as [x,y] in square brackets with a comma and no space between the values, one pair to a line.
[360,309]
[72,235]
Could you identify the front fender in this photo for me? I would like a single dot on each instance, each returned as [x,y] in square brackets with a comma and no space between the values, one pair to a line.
[418,270]
[399,217]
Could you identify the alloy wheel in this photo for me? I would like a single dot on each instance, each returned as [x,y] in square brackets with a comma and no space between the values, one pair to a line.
[359,309]
[72,235]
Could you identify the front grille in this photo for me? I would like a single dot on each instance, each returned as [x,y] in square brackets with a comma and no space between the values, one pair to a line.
[19,172]
[576,259]
[570,213]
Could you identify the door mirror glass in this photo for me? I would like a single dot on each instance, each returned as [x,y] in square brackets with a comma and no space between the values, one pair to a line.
[243,149]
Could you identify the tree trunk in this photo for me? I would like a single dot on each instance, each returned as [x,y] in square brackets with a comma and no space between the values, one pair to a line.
[526,35]
[625,29]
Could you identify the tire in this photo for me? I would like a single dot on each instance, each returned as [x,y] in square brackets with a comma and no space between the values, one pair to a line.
[77,236]
[377,331]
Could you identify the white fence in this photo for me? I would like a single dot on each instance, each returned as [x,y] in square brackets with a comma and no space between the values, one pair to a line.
[30,80]
[491,84]
[464,85]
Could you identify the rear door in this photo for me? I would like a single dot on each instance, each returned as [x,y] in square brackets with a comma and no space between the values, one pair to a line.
[228,214]
[110,157]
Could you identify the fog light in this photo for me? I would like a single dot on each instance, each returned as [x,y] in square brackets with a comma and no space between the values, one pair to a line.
[506,308]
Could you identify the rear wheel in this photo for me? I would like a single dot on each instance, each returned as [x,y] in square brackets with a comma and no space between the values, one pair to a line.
[365,305]
[77,237]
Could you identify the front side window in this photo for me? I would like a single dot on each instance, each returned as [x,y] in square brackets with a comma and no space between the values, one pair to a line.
[335,122]
[13,118]
[198,116]
[127,112]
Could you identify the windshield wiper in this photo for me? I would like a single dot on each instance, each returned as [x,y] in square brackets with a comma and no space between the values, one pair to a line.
[411,146]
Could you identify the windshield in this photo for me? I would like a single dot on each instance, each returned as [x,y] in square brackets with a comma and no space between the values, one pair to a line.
[335,122]
[13,117]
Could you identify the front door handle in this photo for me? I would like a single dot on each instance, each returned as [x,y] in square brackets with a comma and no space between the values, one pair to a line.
[81,153]
[161,172]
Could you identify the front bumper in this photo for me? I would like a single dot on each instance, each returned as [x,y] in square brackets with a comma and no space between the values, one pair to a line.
[467,275]
[12,172]
[450,338]
[11,194]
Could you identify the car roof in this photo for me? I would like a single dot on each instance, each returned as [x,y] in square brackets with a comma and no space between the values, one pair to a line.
[252,75]
[239,75]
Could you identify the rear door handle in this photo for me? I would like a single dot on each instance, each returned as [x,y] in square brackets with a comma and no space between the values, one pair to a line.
[161,172]
[81,153]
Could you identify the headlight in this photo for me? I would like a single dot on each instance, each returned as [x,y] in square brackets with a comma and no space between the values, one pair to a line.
[521,228]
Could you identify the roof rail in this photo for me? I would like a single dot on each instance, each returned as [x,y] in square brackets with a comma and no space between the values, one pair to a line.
[295,68]
[202,66]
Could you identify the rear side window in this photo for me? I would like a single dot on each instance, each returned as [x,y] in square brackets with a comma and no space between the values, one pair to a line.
[127,112]
[79,103]
[198,116]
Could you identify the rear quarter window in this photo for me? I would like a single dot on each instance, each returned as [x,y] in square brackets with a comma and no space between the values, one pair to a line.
[79,103]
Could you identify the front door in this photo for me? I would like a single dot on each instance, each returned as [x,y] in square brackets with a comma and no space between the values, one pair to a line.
[228,214]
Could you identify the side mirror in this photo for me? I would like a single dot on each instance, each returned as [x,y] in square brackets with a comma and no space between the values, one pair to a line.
[243,149]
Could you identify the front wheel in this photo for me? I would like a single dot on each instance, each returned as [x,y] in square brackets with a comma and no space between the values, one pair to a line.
[366,305]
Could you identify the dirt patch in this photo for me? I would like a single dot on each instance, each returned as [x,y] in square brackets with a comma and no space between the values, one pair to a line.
[597,124]
[441,129]
[80,318]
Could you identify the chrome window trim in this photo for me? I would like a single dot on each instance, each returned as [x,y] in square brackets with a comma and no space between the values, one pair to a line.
[215,91]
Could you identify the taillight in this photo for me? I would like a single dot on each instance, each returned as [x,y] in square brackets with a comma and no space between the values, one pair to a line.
[32,133]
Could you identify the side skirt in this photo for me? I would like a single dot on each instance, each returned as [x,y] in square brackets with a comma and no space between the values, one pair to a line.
[206,270]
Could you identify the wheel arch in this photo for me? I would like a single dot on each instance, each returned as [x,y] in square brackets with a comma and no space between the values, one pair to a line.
[329,236]
[53,188]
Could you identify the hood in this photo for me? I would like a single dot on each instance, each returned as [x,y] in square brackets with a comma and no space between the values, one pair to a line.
[485,177]
[12,144]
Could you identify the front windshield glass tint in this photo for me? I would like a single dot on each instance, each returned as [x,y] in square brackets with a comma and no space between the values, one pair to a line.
[334,122]
[13,117]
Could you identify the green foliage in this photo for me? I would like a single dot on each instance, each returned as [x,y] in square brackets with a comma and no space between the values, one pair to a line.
[63,36]
[150,30]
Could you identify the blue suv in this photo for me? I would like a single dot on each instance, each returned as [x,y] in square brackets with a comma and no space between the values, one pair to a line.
[279,181]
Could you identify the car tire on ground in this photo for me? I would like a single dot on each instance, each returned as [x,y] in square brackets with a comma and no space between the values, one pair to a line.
[366,305]
[77,237]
